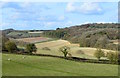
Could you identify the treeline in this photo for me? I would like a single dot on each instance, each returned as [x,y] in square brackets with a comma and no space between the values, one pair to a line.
[56,34]
[100,25]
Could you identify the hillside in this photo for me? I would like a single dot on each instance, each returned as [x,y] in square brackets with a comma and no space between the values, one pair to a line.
[104,36]
[52,48]
[87,30]
[89,35]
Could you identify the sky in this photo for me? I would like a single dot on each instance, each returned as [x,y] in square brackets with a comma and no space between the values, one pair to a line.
[52,15]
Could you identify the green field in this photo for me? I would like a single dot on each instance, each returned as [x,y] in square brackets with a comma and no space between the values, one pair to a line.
[49,66]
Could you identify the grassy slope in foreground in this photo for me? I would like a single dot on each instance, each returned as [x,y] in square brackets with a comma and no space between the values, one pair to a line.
[48,66]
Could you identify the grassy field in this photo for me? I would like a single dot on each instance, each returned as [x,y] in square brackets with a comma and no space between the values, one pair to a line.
[83,52]
[49,66]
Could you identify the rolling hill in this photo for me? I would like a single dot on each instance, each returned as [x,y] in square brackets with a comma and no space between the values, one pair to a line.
[89,35]
[75,50]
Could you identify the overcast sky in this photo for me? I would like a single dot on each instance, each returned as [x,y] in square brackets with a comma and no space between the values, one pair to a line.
[51,15]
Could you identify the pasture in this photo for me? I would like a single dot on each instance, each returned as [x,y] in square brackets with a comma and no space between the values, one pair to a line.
[49,66]
[76,51]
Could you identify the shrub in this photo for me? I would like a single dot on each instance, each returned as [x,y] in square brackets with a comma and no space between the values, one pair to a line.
[11,46]
[112,56]
[99,53]
[65,50]
[31,48]
[116,58]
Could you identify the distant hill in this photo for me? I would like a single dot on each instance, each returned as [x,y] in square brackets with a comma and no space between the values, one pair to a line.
[88,35]
[73,32]
[108,29]
[11,33]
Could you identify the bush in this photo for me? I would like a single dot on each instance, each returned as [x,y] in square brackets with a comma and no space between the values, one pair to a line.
[65,50]
[11,46]
[112,56]
[99,53]
[31,48]
[46,48]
